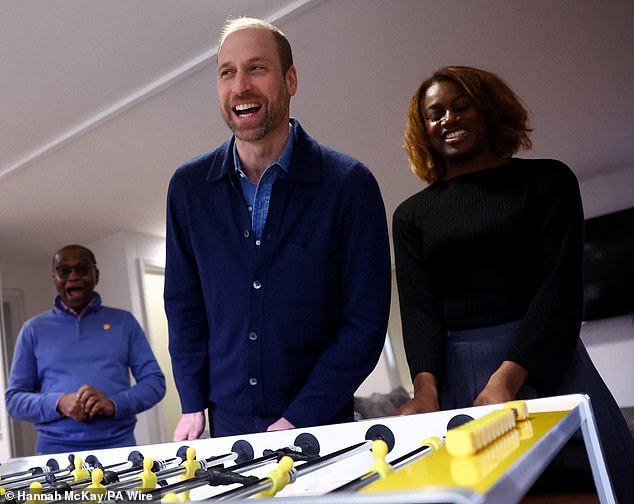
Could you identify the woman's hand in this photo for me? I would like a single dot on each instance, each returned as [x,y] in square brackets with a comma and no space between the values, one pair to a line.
[418,405]
[503,384]
[425,397]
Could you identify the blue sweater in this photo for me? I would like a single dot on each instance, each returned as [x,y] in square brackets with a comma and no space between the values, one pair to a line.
[57,352]
[293,326]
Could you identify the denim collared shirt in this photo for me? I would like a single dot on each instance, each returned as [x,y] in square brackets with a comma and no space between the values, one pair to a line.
[258,196]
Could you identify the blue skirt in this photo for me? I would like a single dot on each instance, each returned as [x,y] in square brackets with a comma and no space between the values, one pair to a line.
[473,355]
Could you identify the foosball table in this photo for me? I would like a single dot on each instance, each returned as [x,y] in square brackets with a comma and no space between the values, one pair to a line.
[473,455]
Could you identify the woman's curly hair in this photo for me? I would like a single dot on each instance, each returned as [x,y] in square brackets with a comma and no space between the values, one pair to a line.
[506,118]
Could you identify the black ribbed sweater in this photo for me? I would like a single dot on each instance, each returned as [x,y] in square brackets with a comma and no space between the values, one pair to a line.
[490,247]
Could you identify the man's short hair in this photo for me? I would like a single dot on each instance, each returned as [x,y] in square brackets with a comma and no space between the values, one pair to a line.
[76,247]
[283,45]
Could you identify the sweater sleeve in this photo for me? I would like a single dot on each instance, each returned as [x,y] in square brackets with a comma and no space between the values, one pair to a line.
[365,285]
[185,308]
[23,398]
[149,388]
[421,310]
[550,328]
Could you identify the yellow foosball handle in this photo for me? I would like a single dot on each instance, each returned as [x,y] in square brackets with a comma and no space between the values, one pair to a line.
[380,466]
[520,409]
[471,437]
[468,471]
[433,442]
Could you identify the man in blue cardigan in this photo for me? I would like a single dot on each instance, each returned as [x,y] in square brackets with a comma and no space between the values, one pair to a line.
[70,374]
[277,285]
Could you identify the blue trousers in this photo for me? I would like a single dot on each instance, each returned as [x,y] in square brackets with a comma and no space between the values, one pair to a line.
[473,355]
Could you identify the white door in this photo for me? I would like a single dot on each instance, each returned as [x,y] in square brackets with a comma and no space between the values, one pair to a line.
[156,327]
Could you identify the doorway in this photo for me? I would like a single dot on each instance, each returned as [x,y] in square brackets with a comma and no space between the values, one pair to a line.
[156,328]
[17,438]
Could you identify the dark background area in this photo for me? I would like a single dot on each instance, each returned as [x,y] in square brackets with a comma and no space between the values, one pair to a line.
[609,265]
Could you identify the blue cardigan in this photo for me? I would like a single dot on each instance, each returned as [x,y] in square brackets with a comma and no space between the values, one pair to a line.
[290,327]
[57,352]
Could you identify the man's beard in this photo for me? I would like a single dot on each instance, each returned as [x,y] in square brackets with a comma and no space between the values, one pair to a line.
[276,111]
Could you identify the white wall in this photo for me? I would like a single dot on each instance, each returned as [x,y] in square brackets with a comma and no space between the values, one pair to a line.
[610,342]
[156,322]
[34,281]
[608,193]
[30,288]
[118,256]
[120,285]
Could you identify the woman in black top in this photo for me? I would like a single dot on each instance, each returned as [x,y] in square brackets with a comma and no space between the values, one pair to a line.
[489,262]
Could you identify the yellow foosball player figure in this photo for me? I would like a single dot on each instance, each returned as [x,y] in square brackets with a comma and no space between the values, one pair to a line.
[35,493]
[148,477]
[80,473]
[191,465]
[96,489]
[280,477]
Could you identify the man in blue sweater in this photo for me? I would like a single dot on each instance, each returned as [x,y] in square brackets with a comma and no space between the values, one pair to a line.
[277,285]
[71,366]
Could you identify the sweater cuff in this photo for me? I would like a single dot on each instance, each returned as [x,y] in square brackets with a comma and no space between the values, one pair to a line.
[122,405]
[49,410]
[301,416]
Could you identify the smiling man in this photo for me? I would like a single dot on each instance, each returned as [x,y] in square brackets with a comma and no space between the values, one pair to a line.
[71,366]
[277,281]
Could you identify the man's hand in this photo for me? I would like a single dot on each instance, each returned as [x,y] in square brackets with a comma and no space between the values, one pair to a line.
[281,424]
[190,426]
[95,402]
[70,406]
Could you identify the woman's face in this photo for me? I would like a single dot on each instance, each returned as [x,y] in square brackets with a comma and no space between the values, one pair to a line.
[455,126]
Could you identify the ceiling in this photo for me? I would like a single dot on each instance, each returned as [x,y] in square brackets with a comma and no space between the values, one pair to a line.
[101,101]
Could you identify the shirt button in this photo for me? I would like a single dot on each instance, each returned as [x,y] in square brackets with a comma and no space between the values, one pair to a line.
[257,242]
[246,233]
[253,381]
[250,209]
[257,284]
[253,336]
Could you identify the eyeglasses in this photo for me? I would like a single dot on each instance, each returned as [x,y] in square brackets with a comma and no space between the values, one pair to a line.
[80,269]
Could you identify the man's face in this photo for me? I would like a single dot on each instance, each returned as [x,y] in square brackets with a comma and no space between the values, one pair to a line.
[253,94]
[75,276]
